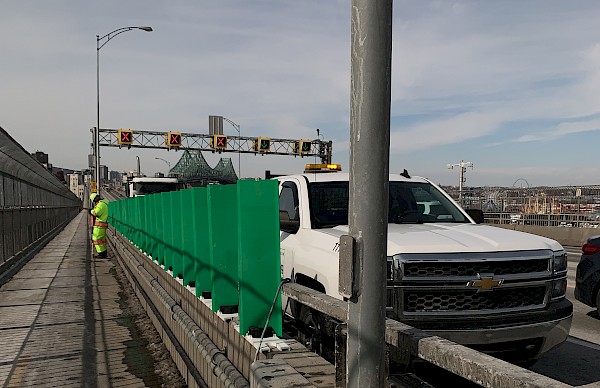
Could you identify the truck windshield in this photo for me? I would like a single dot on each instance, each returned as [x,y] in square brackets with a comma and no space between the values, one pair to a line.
[409,202]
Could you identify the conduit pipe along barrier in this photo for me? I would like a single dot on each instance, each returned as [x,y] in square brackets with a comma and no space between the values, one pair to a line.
[212,355]
[222,240]
[33,203]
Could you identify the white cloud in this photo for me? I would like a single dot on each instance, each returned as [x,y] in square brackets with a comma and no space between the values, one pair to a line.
[456,129]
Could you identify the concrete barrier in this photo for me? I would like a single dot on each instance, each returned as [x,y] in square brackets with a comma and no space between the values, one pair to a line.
[566,236]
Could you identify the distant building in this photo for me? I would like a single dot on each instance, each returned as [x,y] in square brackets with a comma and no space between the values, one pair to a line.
[41,157]
[60,175]
[103,173]
[115,176]
[76,185]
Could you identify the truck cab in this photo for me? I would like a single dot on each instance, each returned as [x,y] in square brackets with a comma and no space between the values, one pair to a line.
[496,290]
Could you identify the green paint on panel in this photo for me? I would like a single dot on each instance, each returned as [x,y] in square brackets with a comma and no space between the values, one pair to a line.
[174,209]
[201,245]
[160,227]
[167,230]
[222,221]
[187,238]
[258,247]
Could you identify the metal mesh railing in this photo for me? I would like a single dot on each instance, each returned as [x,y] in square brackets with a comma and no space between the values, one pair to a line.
[32,201]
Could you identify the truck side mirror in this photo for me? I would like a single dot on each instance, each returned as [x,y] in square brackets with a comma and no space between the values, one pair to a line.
[476,215]
[287,225]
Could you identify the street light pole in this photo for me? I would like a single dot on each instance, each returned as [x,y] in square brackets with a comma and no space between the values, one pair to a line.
[238,129]
[461,176]
[167,162]
[105,39]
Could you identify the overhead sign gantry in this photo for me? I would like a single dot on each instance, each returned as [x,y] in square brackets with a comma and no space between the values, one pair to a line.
[132,138]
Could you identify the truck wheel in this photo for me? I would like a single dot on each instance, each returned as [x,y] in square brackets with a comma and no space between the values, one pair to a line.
[598,302]
[310,322]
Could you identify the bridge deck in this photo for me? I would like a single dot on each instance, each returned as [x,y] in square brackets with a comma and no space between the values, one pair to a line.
[63,321]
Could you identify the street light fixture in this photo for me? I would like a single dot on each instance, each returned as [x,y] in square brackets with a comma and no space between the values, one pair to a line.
[237,128]
[167,162]
[101,41]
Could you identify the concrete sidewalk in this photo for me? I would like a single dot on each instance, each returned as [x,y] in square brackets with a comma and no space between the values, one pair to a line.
[63,321]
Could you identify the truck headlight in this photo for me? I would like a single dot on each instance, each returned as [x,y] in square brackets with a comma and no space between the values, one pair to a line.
[559,263]
[559,288]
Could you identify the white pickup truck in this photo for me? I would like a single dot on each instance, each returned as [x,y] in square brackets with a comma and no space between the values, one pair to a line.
[492,289]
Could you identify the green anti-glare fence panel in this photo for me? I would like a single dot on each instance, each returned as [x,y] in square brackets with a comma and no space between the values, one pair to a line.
[176,253]
[160,227]
[135,221]
[201,244]
[130,222]
[187,238]
[119,216]
[126,227]
[167,222]
[143,228]
[152,237]
[222,228]
[258,253]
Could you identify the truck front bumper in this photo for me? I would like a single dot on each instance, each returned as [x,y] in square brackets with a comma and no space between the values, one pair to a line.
[550,334]
[525,337]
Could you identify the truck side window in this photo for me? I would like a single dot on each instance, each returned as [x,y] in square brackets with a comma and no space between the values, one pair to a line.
[288,200]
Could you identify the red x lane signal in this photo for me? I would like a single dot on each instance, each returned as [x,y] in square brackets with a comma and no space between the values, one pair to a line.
[219,142]
[174,139]
[125,136]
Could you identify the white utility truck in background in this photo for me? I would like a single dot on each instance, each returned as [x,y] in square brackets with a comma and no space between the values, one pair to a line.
[140,186]
[495,290]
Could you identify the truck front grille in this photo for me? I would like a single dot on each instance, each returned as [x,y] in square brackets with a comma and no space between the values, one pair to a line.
[419,301]
[429,269]
[428,284]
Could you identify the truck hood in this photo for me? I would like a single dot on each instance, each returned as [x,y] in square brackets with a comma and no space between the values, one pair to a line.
[447,238]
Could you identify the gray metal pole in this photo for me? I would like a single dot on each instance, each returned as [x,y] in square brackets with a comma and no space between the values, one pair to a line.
[97,136]
[461,167]
[371,53]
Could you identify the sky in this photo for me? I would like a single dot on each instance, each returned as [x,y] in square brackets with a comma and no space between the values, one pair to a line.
[511,86]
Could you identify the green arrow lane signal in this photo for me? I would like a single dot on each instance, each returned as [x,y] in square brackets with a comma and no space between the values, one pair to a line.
[305,146]
[264,144]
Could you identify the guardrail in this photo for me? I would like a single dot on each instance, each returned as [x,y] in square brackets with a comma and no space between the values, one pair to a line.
[33,204]
[409,343]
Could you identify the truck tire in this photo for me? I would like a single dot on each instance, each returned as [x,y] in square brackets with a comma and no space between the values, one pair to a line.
[598,301]
[311,323]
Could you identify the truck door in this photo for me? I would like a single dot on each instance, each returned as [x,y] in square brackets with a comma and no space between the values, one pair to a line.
[288,204]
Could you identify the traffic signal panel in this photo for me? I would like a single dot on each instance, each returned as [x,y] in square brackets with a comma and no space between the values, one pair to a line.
[125,136]
[262,144]
[303,146]
[219,142]
[174,139]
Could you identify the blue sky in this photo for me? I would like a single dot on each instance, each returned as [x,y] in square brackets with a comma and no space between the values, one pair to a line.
[513,86]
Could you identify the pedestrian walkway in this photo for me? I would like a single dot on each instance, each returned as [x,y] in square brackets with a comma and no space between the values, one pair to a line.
[63,324]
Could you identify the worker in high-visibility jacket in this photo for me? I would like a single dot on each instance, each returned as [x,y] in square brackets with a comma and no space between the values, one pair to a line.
[100,214]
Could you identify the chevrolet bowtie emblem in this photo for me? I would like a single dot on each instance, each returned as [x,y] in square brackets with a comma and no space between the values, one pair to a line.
[486,282]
